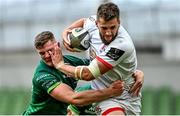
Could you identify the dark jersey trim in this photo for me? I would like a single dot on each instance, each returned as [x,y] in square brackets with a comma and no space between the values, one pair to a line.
[114,53]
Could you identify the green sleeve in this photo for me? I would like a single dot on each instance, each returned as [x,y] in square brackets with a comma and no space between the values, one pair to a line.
[46,81]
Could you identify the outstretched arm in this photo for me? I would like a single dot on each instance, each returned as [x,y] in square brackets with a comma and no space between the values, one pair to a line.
[95,68]
[65,93]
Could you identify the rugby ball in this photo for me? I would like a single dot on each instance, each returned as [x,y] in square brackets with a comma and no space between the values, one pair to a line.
[79,39]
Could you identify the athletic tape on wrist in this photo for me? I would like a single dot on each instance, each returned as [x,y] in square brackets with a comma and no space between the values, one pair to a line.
[94,68]
[80,73]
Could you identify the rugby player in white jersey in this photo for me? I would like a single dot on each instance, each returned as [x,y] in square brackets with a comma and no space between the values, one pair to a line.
[113,57]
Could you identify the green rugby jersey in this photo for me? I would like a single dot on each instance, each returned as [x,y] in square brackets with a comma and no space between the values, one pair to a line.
[44,81]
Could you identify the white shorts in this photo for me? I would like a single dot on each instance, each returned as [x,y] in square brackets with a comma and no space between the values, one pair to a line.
[129,106]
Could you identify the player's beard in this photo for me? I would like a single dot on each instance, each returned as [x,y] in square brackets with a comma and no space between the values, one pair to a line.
[107,42]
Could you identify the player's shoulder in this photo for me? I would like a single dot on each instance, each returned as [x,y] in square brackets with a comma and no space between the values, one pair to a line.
[92,18]
[123,34]
[123,40]
[90,23]
[119,46]
[121,43]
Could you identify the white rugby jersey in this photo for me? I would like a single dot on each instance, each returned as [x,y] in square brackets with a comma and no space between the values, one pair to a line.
[119,55]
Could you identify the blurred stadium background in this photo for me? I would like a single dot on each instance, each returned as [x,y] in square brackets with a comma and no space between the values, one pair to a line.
[153,25]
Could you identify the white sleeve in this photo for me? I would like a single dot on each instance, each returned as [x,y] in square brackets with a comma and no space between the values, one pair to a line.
[90,23]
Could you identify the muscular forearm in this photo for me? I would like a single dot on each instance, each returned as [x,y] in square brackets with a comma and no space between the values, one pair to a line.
[81,72]
[65,93]
[91,96]
[94,70]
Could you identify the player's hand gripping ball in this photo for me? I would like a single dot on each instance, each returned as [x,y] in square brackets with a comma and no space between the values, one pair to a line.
[79,39]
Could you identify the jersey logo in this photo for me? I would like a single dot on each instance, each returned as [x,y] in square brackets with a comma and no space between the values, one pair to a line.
[115,53]
[92,19]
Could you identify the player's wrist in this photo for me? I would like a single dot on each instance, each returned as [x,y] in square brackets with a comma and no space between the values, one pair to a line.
[59,65]
[108,92]
[111,92]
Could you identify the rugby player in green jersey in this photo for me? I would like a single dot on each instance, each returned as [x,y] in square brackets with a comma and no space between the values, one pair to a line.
[53,91]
